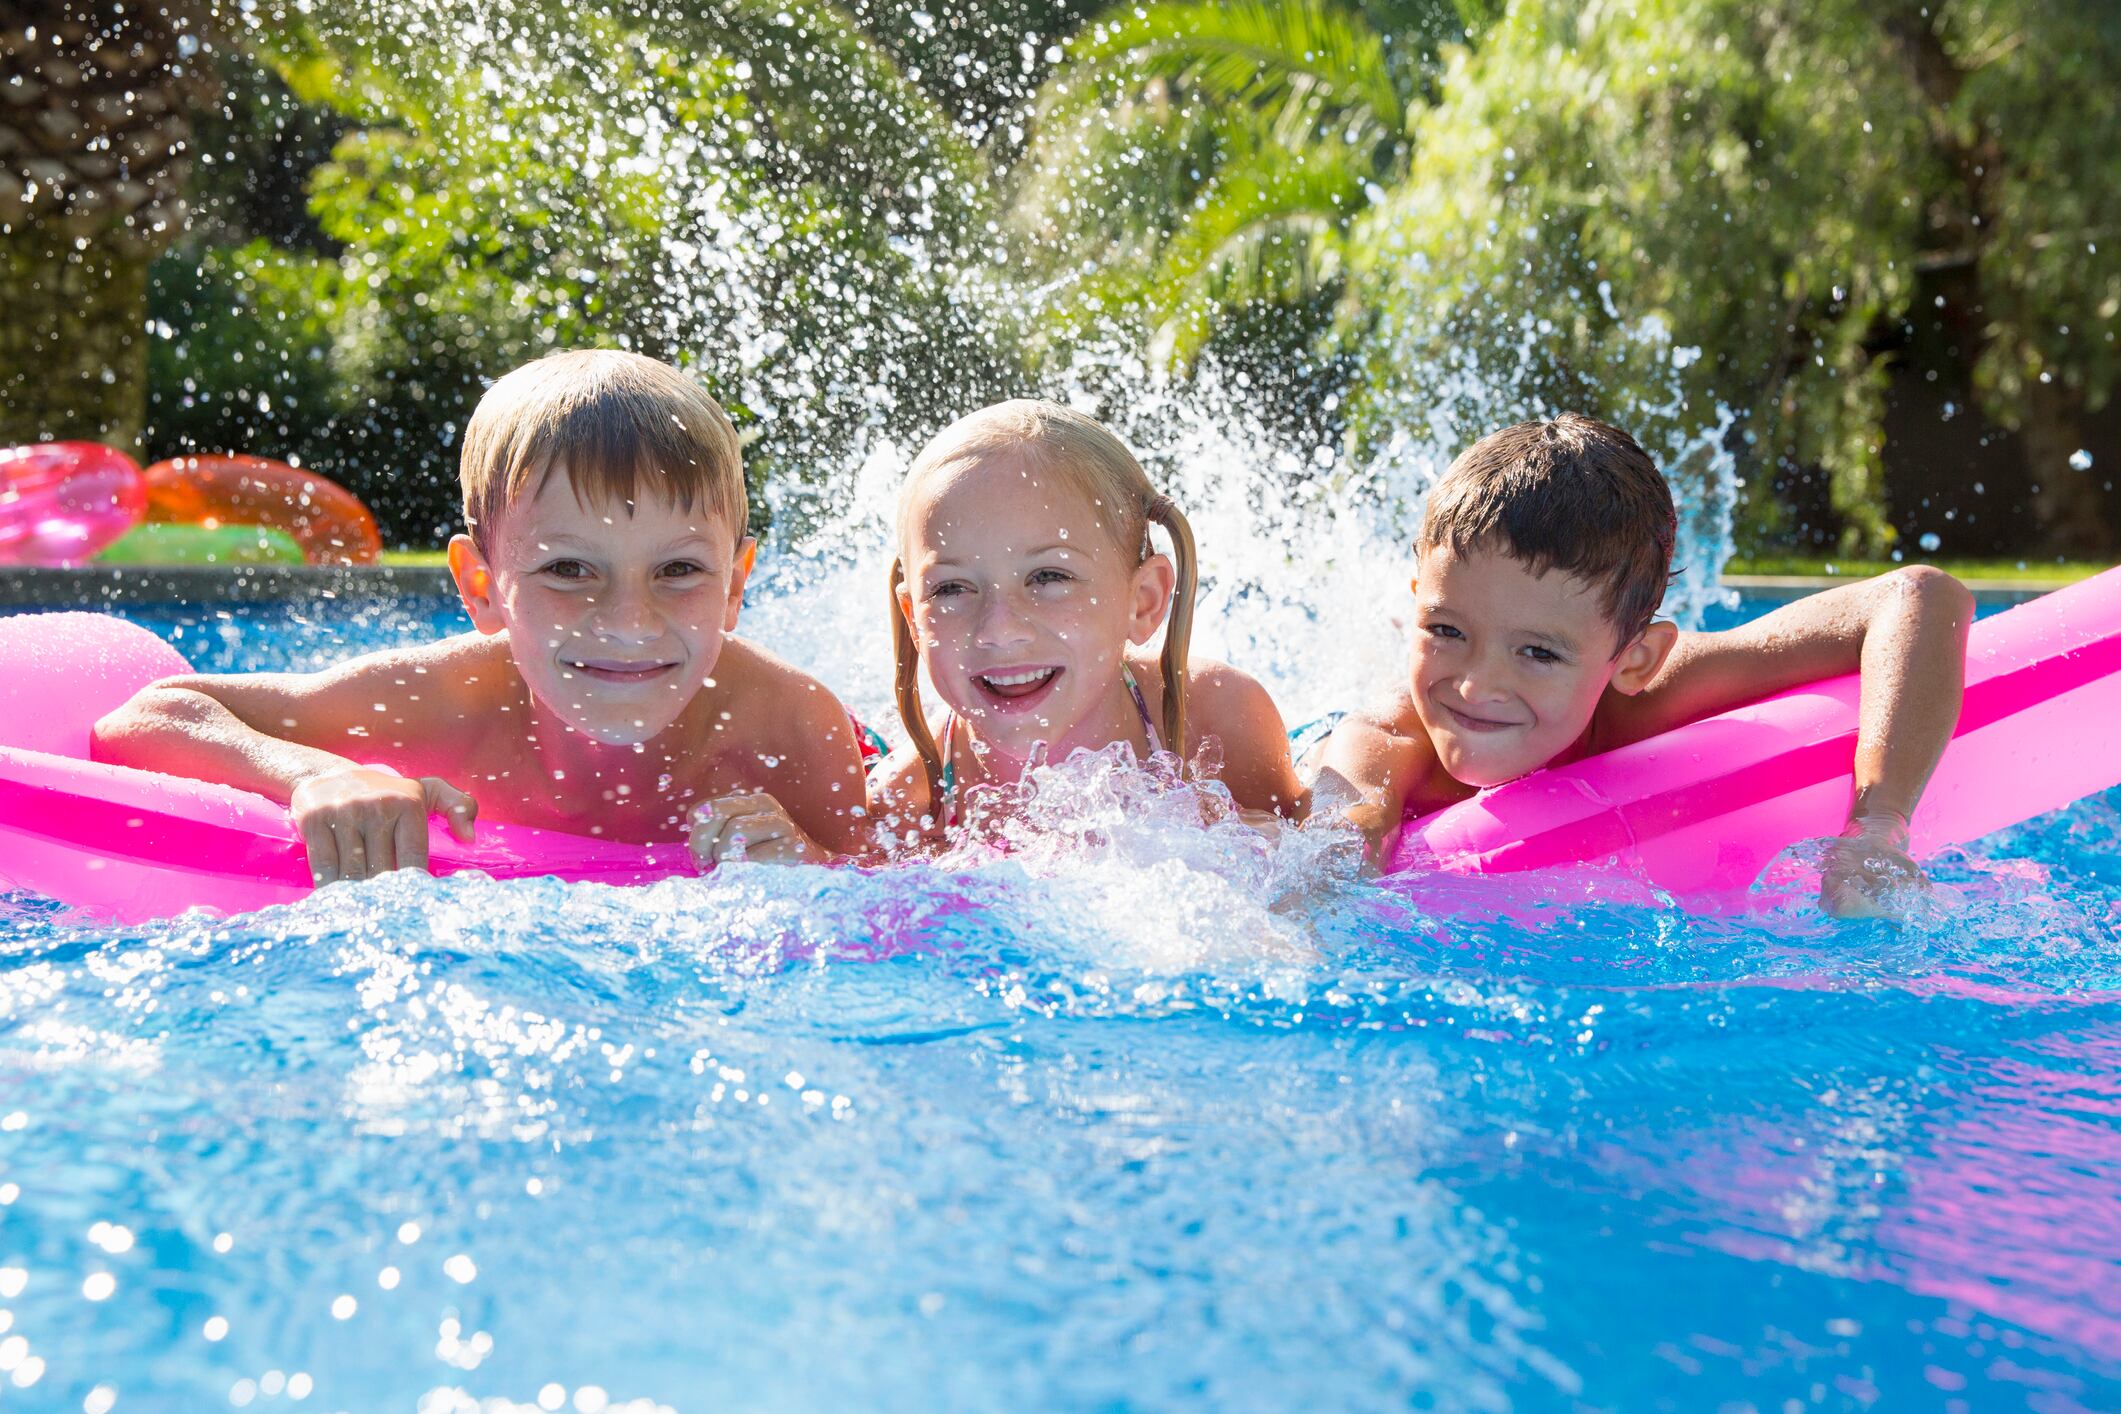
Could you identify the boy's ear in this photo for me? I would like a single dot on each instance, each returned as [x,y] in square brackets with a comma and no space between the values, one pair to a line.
[1642,660]
[474,577]
[1153,584]
[747,555]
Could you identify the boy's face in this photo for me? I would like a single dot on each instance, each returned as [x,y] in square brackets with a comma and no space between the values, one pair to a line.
[1508,665]
[615,614]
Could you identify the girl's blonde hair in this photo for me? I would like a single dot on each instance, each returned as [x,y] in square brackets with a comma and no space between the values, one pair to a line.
[1058,442]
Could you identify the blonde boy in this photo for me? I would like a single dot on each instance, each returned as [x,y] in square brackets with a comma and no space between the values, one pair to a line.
[603,690]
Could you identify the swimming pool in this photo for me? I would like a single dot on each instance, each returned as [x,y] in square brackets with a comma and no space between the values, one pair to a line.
[1133,1125]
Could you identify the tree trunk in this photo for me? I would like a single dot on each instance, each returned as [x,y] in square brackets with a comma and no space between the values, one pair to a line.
[73,347]
[2066,501]
[95,149]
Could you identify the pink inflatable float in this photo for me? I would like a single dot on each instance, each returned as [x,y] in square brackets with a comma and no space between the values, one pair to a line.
[131,845]
[61,502]
[1700,811]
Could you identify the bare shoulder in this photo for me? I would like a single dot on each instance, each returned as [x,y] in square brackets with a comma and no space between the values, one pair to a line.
[1392,719]
[1380,746]
[775,691]
[1221,699]
[1236,709]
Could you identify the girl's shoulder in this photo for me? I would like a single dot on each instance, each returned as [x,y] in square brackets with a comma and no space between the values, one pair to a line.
[1235,708]
[1226,700]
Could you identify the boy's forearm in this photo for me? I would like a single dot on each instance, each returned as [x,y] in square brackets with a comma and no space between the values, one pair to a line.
[184,732]
[1914,673]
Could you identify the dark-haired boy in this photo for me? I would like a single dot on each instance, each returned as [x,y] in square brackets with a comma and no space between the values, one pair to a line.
[1543,555]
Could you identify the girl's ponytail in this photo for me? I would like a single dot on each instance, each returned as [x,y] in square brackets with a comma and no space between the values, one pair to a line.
[910,715]
[1178,625]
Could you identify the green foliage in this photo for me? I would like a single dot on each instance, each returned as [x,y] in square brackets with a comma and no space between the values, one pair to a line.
[1711,220]
[1191,158]
[1645,183]
[1764,183]
[758,194]
[1704,218]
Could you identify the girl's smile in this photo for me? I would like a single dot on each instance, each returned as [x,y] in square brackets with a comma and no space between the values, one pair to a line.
[1024,603]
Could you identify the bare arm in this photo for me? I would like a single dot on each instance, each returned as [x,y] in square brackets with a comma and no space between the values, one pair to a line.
[186,727]
[1366,769]
[1905,632]
[272,734]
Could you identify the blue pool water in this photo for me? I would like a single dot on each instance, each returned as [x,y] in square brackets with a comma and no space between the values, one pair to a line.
[1159,1120]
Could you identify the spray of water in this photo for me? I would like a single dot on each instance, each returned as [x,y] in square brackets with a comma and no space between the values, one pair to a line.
[1304,545]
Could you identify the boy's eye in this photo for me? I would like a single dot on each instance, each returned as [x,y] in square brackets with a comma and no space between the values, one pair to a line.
[566,569]
[679,569]
[1542,655]
[1443,631]
[948,589]
[1051,576]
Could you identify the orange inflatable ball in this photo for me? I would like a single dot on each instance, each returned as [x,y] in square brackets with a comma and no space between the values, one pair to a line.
[324,518]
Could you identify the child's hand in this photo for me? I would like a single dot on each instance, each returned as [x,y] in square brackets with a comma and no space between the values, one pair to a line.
[359,822]
[754,828]
[1337,804]
[1867,863]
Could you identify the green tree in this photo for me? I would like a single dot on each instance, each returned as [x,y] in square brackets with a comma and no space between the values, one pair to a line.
[1191,158]
[95,138]
[1767,185]
[757,192]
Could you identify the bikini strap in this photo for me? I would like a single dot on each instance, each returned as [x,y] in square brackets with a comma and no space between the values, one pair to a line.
[945,806]
[1141,705]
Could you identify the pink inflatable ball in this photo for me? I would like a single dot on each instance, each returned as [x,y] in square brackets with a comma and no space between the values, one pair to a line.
[61,502]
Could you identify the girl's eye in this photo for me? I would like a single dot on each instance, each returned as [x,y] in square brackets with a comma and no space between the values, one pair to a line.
[566,569]
[947,589]
[1443,631]
[1051,576]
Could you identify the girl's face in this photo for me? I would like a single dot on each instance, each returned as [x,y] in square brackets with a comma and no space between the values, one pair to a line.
[1023,603]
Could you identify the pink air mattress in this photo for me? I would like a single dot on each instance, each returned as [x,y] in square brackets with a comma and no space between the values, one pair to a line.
[131,845]
[1700,811]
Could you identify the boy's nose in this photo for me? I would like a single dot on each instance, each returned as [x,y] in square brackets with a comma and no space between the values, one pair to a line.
[1483,682]
[624,616]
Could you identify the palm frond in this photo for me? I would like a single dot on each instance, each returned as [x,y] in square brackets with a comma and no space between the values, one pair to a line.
[1302,61]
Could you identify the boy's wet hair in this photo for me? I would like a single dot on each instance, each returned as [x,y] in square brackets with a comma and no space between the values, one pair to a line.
[625,426]
[1569,494]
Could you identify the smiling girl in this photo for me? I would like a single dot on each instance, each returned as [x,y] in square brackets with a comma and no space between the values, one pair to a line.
[1029,587]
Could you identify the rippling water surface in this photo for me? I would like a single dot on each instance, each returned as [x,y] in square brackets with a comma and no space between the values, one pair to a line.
[1160,1117]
